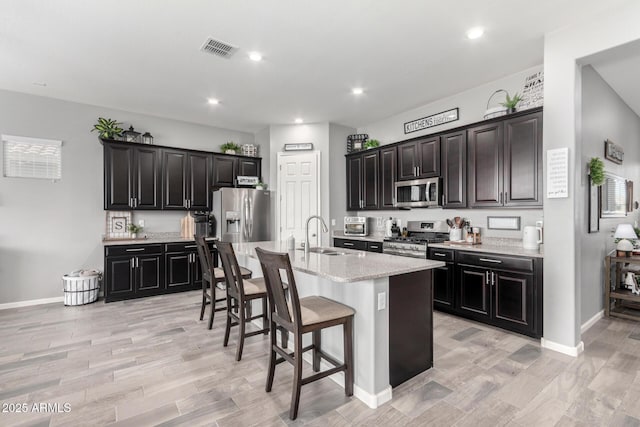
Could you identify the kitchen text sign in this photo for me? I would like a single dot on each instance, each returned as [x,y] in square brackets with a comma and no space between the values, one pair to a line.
[431,121]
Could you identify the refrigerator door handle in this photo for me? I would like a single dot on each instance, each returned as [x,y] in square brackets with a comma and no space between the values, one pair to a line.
[245,218]
[250,225]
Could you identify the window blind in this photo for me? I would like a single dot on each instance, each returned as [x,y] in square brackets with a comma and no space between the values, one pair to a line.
[32,157]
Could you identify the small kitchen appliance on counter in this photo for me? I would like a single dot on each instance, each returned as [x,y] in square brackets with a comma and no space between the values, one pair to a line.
[205,224]
[390,227]
[419,235]
[356,226]
[532,237]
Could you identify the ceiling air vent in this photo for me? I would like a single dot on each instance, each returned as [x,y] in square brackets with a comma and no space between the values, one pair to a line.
[217,47]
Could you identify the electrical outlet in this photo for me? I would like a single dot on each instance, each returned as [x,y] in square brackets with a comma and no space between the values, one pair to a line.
[382,300]
[141,222]
[333,222]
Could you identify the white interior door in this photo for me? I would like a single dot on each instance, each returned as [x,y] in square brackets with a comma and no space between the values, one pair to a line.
[299,195]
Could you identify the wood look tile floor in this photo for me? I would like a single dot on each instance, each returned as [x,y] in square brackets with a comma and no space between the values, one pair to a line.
[151,362]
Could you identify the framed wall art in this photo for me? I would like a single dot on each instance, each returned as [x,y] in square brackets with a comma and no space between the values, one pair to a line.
[117,225]
[613,152]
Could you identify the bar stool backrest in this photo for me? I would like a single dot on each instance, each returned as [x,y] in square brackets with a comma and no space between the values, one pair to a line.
[232,273]
[273,265]
[204,254]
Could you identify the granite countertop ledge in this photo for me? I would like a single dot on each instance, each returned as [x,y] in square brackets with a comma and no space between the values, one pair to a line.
[495,246]
[354,266]
[153,239]
[371,238]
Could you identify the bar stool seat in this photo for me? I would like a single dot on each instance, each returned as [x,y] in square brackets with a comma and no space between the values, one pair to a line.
[317,309]
[219,273]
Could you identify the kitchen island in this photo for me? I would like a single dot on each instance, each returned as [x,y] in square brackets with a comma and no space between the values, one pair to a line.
[392,297]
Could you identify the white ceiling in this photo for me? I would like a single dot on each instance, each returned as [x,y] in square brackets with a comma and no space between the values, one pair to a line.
[143,56]
[620,68]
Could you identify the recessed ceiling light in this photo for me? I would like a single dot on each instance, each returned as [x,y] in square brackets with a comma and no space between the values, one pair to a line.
[255,56]
[475,32]
[298,121]
[357,91]
[213,101]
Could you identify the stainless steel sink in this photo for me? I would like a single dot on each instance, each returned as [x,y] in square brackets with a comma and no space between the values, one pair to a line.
[324,251]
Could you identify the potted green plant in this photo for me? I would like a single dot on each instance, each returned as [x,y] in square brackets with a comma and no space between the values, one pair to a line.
[261,186]
[134,230]
[230,148]
[108,128]
[511,103]
[371,143]
[596,171]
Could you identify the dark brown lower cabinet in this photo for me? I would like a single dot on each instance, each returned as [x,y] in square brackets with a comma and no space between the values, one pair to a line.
[135,271]
[410,325]
[502,291]
[361,245]
[443,279]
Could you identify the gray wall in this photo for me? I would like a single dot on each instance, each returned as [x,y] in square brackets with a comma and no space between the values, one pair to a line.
[49,229]
[338,173]
[604,116]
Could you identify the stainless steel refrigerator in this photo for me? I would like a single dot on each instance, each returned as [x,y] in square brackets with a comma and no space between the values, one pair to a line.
[242,214]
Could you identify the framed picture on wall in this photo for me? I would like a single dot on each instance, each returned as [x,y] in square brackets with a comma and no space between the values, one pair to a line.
[117,225]
[594,207]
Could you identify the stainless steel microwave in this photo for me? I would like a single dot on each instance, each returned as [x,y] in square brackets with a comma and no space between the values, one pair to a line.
[355,226]
[418,193]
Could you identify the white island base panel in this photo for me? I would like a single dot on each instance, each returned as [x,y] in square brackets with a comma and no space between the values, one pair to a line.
[370,330]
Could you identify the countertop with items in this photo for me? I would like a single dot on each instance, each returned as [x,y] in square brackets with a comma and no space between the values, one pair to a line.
[349,266]
[337,234]
[493,245]
[154,238]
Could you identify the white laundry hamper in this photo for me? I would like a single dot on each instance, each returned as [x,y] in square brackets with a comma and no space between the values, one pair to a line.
[80,289]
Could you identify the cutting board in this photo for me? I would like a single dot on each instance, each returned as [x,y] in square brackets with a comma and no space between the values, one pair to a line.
[187,226]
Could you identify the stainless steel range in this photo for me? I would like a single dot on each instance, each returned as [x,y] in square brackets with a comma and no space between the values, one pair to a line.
[419,235]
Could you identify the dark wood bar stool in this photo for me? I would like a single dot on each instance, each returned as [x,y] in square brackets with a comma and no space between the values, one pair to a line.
[211,276]
[299,316]
[240,292]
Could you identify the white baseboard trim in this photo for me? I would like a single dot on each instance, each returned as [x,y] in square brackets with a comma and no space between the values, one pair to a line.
[28,303]
[371,400]
[589,323]
[561,348]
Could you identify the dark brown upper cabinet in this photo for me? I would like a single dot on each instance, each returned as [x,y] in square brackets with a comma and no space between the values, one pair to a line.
[186,180]
[419,159]
[454,169]
[363,175]
[388,165]
[227,168]
[485,165]
[131,177]
[523,161]
[505,163]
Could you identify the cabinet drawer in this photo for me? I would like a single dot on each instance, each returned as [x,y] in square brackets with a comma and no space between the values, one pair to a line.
[374,247]
[350,244]
[133,250]
[498,262]
[441,254]
[180,247]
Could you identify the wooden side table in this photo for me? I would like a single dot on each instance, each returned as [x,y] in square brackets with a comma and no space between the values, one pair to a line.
[619,301]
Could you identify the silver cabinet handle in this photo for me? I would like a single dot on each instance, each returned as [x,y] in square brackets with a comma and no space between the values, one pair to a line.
[137,262]
[189,203]
[131,202]
[374,247]
[135,250]
[493,278]
[495,261]
[348,244]
[418,170]
[439,254]
[191,246]
[133,263]
[487,277]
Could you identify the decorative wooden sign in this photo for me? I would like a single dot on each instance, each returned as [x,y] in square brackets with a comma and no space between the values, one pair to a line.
[613,152]
[431,121]
[558,173]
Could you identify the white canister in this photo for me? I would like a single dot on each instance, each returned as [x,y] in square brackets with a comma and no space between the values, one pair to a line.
[455,234]
[291,243]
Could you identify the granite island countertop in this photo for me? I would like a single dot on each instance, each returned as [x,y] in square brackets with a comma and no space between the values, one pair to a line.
[354,266]
[370,238]
[495,246]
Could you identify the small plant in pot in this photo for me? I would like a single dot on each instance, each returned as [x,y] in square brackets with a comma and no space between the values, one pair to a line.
[371,143]
[230,148]
[261,186]
[511,103]
[134,230]
[108,128]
